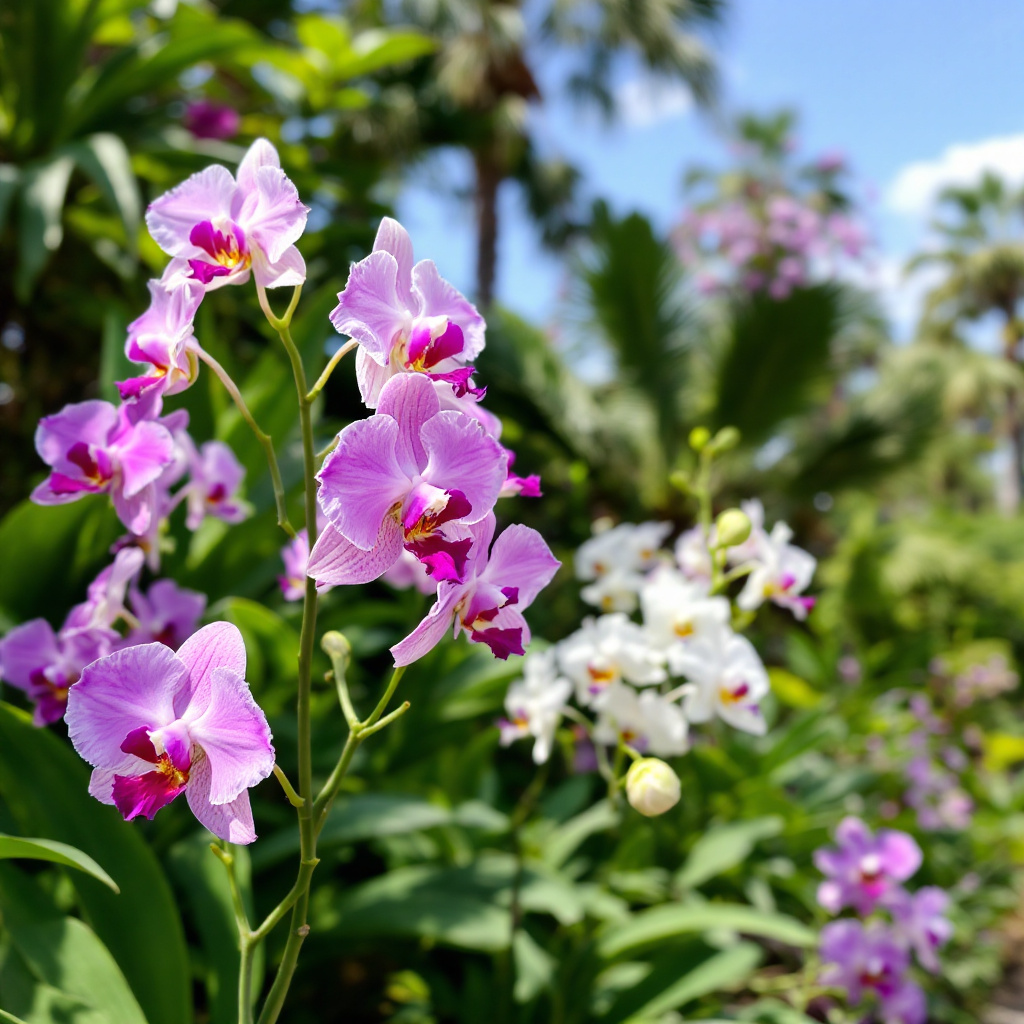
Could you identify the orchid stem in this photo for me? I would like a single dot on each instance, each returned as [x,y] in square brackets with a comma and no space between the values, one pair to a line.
[299,927]
[289,790]
[329,369]
[265,440]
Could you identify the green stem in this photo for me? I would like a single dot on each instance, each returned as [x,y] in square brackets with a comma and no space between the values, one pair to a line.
[299,927]
[329,369]
[289,790]
[262,436]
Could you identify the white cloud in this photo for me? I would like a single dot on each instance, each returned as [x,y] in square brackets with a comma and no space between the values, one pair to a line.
[916,186]
[642,102]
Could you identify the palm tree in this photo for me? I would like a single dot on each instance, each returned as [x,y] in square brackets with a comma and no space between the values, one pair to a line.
[482,81]
[983,259]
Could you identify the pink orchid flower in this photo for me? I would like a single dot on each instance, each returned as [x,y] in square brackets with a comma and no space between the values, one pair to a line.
[227,227]
[489,604]
[411,476]
[93,448]
[163,336]
[407,318]
[154,724]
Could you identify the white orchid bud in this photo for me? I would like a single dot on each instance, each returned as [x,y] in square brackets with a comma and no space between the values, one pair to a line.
[732,527]
[651,786]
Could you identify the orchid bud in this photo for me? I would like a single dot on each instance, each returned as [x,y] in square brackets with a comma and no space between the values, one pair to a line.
[651,786]
[732,527]
[699,438]
[725,440]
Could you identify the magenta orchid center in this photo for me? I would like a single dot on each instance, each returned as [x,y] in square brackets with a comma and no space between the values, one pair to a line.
[169,750]
[94,463]
[735,694]
[225,244]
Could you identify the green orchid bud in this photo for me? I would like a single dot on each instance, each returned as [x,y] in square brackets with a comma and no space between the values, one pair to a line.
[699,438]
[725,440]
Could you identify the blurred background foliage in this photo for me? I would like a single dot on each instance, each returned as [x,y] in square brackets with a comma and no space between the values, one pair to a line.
[459,883]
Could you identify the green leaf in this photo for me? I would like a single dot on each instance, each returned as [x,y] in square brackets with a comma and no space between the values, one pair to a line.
[114,364]
[361,817]
[45,787]
[448,907]
[203,880]
[12,847]
[648,928]
[9,1018]
[567,838]
[40,232]
[381,48]
[64,952]
[722,970]
[104,158]
[779,350]
[535,967]
[722,847]
[49,554]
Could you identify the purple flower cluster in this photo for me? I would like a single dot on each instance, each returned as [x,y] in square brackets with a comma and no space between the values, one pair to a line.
[45,663]
[409,493]
[219,229]
[768,238]
[873,957]
[933,772]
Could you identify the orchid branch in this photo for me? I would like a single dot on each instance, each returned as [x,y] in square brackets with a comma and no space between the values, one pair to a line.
[329,369]
[265,440]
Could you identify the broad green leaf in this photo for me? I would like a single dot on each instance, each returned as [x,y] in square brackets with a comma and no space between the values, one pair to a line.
[13,847]
[660,924]
[45,787]
[199,874]
[438,905]
[367,816]
[719,971]
[40,231]
[380,48]
[567,838]
[793,690]
[722,847]
[64,952]
[779,350]
[104,158]
[49,554]
[535,967]
[1002,749]
[114,364]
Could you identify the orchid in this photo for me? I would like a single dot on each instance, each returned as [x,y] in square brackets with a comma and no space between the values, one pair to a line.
[921,923]
[215,478]
[649,722]
[165,613]
[869,958]
[407,318]
[607,651]
[163,336]
[675,610]
[501,582]
[616,560]
[728,679]
[227,227]
[864,869]
[45,664]
[780,573]
[94,448]
[413,476]
[535,703]
[155,724]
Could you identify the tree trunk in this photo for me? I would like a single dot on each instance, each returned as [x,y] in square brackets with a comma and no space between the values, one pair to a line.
[488,178]
[1014,425]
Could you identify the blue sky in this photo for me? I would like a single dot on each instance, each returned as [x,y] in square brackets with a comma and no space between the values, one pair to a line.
[916,92]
